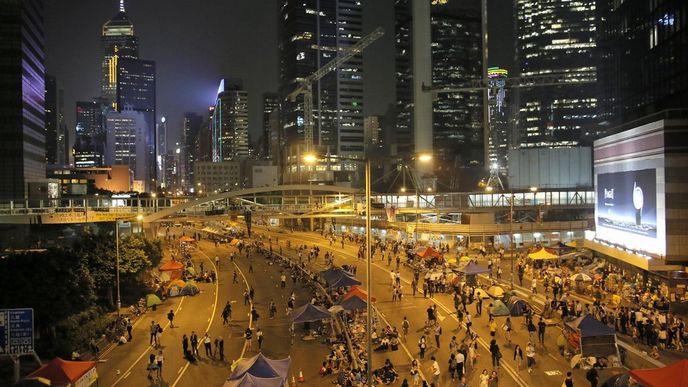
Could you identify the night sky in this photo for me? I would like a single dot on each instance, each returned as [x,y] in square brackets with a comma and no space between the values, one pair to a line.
[195,43]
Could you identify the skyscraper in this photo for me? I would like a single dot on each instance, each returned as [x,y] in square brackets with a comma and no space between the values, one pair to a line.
[456,58]
[117,42]
[89,144]
[22,94]
[136,87]
[127,144]
[500,136]
[556,36]
[643,65]
[51,116]
[230,121]
[271,107]
[311,33]
[63,138]
[190,133]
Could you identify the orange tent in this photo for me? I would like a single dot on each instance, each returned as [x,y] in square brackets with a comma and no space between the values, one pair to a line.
[185,238]
[171,266]
[67,373]
[358,292]
[674,375]
[428,253]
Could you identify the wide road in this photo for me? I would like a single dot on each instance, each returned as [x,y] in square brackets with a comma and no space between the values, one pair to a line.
[125,365]
[550,369]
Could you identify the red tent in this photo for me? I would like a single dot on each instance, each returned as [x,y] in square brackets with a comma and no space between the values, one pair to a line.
[67,373]
[358,292]
[171,266]
[428,253]
[675,375]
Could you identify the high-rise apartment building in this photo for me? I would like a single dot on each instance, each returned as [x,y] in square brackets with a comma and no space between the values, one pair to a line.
[51,119]
[127,144]
[271,110]
[457,130]
[230,121]
[643,66]
[117,42]
[22,94]
[556,36]
[312,33]
[89,144]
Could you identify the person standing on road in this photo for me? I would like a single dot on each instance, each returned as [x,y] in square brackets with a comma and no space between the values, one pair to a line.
[484,378]
[507,329]
[153,332]
[159,359]
[422,345]
[415,372]
[248,335]
[158,334]
[130,326]
[438,333]
[217,262]
[221,348]
[283,281]
[405,325]
[530,356]
[496,354]
[469,322]
[435,371]
[194,344]
[208,345]
[568,382]
[533,286]
[479,306]
[592,376]
[259,338]
[170,316]
[460,360]
[541,331]
[518,357]
[235,278]
[152,366]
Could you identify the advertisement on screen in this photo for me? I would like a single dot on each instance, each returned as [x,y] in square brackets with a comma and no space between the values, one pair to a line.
[627,202]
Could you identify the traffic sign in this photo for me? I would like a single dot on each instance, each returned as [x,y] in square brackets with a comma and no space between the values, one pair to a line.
[16,331]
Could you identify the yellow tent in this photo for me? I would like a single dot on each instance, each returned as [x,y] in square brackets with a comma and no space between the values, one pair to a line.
[573,244]
[542,254]
[465,258]
[235,242]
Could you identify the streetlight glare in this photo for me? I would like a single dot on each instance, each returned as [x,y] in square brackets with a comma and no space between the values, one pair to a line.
[403,189]
[533,189]
[488,188]
[425,157]
[310,158]
[139,217]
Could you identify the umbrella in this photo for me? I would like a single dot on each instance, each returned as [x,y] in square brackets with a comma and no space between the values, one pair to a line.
[152,299]
[495,291]
[580,277]
[499,309]
[575,360]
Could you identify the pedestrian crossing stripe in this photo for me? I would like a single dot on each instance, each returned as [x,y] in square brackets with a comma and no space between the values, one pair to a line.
[553,373]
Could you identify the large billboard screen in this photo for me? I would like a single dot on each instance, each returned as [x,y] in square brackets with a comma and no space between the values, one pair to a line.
[627,203]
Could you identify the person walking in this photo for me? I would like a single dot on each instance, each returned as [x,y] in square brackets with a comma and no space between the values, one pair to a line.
[568,382]
[158,334]
[479,307]
[185,346]
[283,281]
[496,354]
[460,360]
[221,348]
[208,345]
[415,372]
[484,378]
[152,366]
[259,338]
[405,325]
[170,316]
[507,329]
[469,322]
[194,343]
[235,278]
[422,345]
[153,332]
[541,331]
[248,335]
[159,359]
[130,326]
[217,262]
[438,333]
[530,356]
[593,377]
[518,357]
[494,379]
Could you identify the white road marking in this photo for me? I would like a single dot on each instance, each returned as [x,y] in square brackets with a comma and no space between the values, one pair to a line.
[126,375]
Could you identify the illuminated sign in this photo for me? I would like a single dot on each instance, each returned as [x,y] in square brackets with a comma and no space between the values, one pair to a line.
[627,202]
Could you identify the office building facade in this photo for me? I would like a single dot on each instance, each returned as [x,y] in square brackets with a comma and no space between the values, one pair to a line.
[128,143]
[557,37]
[271,111]
[51,120]
[22,97]
[500,137]
[311,33]
[190,132]
[457,131]
[230,121]
[643,64]
[89,144]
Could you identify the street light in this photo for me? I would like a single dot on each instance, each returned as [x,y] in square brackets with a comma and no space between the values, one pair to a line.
[311,158]
[139,218]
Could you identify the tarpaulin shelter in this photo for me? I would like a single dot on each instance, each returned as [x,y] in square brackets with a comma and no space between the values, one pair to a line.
[309,313]
[357,291]
[261,367]
[499,309]
[249,380]
[542,254]
[517,306]
[332,273]
[674,375]
[473,268]
[344,279]
[171,266]
[428,253]
[591,336]
[67,373]
[354,303]
[152,300]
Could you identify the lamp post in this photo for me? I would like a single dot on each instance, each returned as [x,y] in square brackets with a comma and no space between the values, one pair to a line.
[139,218]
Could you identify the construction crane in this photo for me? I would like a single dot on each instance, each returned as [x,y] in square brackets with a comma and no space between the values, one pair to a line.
[499,84]
[305,85]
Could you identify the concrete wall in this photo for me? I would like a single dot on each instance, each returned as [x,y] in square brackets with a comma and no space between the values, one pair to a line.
[550,168]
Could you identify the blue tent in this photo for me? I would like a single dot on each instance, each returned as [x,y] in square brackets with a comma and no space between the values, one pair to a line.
[262,367]
[353,303]
[344,279]
[308,313]
[331,274]
[590,326]
[473,268]
[249,380]
[517,306]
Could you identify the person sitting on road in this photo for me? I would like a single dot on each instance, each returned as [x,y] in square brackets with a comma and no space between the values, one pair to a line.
[325,369]
[384,345]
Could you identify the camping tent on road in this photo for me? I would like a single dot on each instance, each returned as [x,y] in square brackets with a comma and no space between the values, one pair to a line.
[674,375]
[309,313]
[67,373]
[262,367]
[542,254]
[249,380]
[428,253]
[499,309]
[591,336]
